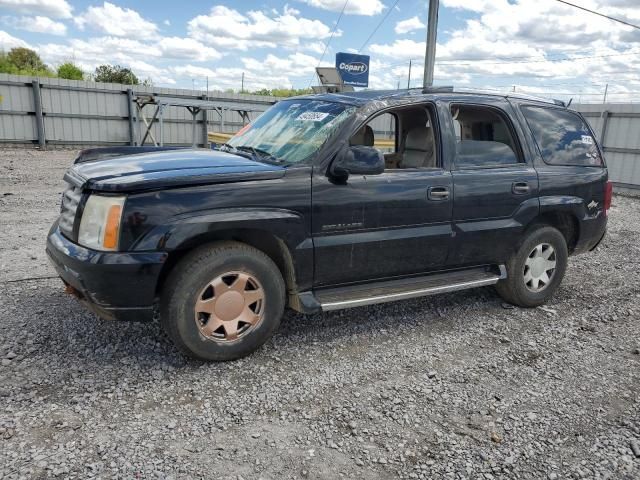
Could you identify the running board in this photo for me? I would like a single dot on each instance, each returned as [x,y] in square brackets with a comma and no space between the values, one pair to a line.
[393,290]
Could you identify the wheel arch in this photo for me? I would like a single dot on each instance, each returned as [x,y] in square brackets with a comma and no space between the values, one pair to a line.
[265,241]
[566,222]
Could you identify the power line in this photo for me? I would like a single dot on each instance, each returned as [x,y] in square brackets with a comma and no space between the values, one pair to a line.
[456,62]
[378,26]
[326,45]
[335,27]
[600,14]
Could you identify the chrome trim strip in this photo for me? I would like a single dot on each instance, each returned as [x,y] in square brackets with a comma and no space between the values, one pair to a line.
[326,307]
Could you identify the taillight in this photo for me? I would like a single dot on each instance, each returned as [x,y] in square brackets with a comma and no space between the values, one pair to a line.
[608,193]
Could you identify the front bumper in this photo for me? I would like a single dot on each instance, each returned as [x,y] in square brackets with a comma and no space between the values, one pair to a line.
[114,285]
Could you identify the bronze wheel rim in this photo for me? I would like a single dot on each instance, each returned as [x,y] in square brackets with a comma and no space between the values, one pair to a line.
[229,307]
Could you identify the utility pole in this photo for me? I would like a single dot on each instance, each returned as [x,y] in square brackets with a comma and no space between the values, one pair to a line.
[606,89]
[409,78]
[242,84]
[430,52]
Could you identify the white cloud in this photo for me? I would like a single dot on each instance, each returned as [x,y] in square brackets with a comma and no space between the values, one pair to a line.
[187,49]
[512,41]
[294,65]
[409,25]
[52,8]
[228,28]
[399,49]
[36,24]
[97,51]
[224,78]
[354,7]
[314,47]
[7,42]
[117,21]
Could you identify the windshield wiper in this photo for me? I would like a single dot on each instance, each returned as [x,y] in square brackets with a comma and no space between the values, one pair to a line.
[260,154]
[226,147]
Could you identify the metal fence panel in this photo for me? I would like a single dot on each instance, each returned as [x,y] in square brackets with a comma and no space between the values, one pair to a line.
[88,113]
[78,112]
[621,140]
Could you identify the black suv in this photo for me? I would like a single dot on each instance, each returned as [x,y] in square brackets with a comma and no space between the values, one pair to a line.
[333,201]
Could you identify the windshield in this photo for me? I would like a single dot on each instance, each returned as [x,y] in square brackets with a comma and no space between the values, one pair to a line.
[292,130]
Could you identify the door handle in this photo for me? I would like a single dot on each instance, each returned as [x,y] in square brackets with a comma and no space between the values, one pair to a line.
[438,193]
[520,188]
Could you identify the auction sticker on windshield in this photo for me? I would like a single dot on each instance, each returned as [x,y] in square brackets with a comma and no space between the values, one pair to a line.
[312,116]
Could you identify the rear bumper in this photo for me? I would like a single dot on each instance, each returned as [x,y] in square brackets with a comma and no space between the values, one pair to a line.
[118,286]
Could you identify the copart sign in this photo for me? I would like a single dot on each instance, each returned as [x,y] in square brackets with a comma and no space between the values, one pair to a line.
[354,69]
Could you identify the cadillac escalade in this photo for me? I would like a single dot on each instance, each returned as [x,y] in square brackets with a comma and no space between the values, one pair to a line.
[333,201]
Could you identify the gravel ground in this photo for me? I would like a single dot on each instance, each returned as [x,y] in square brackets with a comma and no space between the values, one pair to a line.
[452,386]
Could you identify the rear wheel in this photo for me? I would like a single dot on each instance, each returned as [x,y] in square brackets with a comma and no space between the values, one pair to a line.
[222,302]
[535,271]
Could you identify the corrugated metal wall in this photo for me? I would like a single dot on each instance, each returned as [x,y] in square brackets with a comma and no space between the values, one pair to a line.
[91,113]
[617,126]
[78,113]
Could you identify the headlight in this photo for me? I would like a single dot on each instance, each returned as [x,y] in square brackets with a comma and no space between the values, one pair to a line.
[100,224]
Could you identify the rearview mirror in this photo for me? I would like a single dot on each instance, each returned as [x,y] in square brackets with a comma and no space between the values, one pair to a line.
[358,160]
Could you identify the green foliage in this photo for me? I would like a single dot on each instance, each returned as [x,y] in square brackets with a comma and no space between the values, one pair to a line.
[115,74]
[70,71]
[26,59]
[283,92]
[22,61]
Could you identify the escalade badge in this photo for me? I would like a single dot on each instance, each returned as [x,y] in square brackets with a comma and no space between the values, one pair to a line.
[592,205]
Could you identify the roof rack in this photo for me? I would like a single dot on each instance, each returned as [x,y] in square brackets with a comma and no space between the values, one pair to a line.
[451,89]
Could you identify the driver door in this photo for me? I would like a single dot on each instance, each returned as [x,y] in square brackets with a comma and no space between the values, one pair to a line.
[373,227]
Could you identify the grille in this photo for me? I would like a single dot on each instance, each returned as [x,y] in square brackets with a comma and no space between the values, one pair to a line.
[70,200]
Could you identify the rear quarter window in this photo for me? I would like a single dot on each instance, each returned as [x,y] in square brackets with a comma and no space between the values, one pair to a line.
[563,137]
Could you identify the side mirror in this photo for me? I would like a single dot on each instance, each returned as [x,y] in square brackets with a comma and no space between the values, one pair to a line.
[358,160]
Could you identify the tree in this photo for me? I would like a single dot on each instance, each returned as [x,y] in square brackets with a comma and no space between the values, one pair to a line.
[283,92]
[70,71]
[115,74]
[22,61]
[26,59]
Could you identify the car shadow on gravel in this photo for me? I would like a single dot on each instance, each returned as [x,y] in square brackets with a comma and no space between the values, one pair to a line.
[70,333]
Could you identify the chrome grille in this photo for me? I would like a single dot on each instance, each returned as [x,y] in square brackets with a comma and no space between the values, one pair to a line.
[70,201]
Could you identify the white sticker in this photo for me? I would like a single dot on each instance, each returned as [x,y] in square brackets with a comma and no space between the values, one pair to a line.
[587,140]
[312,116]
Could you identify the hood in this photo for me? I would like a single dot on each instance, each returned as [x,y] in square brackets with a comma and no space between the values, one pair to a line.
[168,169]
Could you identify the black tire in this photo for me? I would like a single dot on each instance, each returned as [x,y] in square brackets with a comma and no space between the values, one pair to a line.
[184,288]
[514,289]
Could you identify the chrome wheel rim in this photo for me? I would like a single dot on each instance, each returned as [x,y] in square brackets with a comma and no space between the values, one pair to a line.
[229,307]
[539,267]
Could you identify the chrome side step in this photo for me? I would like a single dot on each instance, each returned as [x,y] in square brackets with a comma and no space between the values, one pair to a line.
[390,291]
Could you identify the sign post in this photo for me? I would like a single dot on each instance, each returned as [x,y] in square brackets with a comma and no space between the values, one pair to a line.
[353,68]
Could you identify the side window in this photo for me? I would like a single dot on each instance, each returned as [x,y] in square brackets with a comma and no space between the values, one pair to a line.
[407,136]
[385,127]
[483,137]
[562,136]
[380,132]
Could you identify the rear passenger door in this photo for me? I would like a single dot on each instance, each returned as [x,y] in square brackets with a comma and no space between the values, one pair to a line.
[495,187]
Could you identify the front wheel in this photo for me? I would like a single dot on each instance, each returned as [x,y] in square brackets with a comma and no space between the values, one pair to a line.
[222,302]
[535,271]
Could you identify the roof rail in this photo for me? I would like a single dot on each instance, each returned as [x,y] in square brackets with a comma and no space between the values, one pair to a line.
[439,89]
[524,96]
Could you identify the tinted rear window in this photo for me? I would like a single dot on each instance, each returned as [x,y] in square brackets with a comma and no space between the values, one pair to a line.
[563,137]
